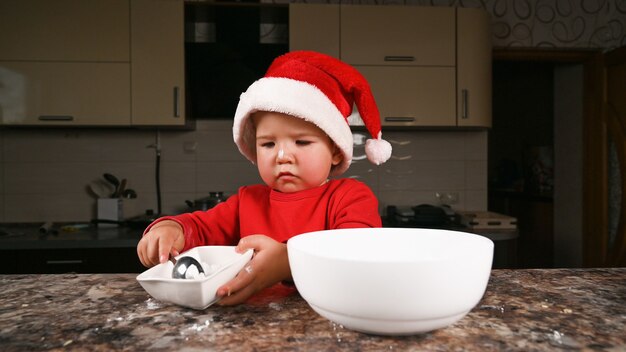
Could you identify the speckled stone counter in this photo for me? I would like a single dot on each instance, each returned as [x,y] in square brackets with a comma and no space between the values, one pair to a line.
[525,310]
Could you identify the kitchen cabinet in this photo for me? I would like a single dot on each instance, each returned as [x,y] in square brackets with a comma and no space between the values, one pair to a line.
[473,68]
[413,95]
[64,62]
[314,27]
[79,248]
[64,93]
[64,30]
[427,66]
[397,35]
[74,260]
[97,63]
[157,62]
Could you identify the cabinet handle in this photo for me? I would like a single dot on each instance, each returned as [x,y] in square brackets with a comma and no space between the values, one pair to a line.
[176,102]
[56,118]
[464,104]
[63,262]
[399,119]
[399,58]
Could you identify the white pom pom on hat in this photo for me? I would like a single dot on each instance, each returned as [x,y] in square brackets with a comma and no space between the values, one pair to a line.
[317,88]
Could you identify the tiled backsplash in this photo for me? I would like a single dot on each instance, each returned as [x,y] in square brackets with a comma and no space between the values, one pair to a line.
[44,172]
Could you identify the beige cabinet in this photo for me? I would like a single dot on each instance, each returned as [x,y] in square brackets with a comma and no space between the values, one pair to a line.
[413,96]
[64,30]
[64,62]
[427,66]
[473,68]
[91,63]
[157,62]
[314,27]
[64,93]
[397,35]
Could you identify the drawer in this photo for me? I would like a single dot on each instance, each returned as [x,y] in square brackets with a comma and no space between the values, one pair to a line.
[77,260]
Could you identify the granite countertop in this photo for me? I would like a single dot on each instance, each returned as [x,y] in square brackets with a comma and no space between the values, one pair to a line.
[525,310]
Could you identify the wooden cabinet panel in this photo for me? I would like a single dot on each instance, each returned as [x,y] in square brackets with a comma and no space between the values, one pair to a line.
[157,62]
[473,68]
[70,260]
[73,62]
[428,66]
[64,30]
[63,93]
[314,27]
[413,96]
[398,35]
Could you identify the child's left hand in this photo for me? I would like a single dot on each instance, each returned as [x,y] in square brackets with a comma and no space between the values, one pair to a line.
[268,266]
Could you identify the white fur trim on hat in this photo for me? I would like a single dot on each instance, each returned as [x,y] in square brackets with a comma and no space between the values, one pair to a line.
[296,98]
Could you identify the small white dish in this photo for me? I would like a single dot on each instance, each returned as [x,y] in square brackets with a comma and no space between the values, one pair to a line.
[195,293]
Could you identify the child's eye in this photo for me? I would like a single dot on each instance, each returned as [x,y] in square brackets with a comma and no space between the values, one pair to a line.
[267,144]
[303,142]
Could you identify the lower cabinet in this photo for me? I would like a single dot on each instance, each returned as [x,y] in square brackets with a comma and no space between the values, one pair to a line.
[72,260]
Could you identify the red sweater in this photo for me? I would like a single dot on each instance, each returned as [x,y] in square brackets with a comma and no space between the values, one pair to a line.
[343,203]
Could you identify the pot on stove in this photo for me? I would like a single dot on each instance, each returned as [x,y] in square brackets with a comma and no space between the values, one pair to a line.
[206,203]
[428,215]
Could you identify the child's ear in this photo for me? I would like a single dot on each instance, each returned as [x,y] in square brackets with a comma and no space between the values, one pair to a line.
[337,155]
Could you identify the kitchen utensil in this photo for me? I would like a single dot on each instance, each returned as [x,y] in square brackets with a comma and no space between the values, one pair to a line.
[206,203]
[92,192]
[129,193]
[195,293]
[120,189]
[391,281]
[100,189]
[184,265]
[112,180]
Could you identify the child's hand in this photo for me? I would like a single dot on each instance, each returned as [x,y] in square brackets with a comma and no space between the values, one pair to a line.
[164,239]
[268,266]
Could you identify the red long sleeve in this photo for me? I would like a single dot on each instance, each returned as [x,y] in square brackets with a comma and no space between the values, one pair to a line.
[344,203]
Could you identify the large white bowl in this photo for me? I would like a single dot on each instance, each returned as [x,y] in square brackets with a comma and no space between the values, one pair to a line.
[391,281]
[195,293]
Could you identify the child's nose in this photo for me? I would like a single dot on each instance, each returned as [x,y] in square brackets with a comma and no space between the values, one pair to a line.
[283,155]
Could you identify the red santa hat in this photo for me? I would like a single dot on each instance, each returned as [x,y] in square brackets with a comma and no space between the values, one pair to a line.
[319,89]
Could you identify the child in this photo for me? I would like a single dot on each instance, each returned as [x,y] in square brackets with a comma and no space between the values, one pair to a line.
[292,125]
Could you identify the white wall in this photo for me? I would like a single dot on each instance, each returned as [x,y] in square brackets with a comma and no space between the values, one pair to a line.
[44,172]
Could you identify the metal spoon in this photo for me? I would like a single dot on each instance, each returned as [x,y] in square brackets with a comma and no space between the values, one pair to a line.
[182,265]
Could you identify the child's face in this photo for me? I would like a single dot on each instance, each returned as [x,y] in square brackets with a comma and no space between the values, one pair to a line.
[292,154]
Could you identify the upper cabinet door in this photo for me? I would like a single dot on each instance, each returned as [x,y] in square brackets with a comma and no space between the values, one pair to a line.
[64,30]
[398,35]
[314,27]
[473,68]
[413,96]
[64,93]
[158,62]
